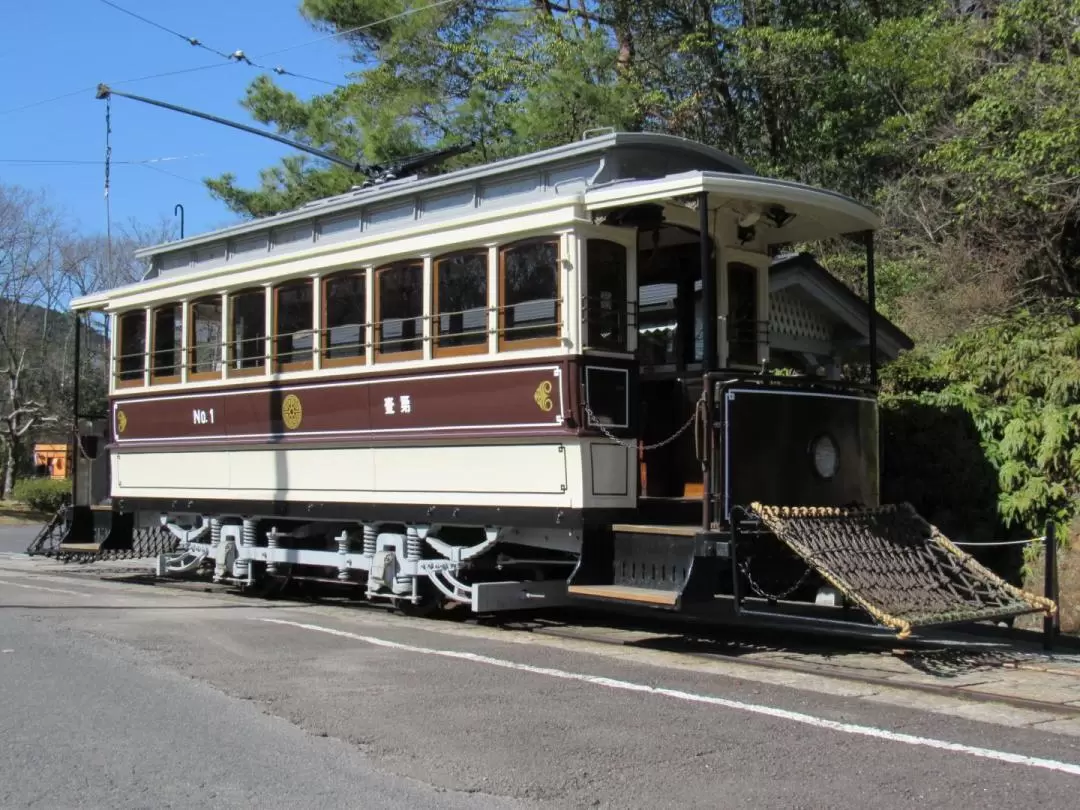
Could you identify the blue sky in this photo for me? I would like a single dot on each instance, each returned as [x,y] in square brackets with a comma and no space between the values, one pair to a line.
[52,47]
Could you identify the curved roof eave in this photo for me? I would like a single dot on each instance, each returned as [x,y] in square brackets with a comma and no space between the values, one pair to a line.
[833,213]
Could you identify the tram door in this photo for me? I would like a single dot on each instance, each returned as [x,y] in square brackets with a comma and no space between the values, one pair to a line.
[669,357]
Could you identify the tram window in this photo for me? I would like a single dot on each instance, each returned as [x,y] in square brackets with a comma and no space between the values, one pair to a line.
[399,307]
[131,357]
[204,335]
[293,323]
[461,292]
[167,339]
[605,300]
[742,314]
[658,323]
[247,311]
[345,318]
[529,295]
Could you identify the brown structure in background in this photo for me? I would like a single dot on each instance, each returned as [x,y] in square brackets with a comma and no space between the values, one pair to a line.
[52,459]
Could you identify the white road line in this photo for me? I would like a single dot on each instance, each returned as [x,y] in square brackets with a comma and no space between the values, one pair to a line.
[783,714]
[41,588]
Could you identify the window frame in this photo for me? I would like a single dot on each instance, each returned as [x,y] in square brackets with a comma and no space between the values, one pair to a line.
[231,342]
[471,348]
[359,359]
[292,365]
[118,380]
[176,376]
[517,344]
[193,375]
[377,320]
[752,273]
[621,313]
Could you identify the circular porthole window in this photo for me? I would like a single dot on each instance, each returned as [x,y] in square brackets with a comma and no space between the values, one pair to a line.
[825,455]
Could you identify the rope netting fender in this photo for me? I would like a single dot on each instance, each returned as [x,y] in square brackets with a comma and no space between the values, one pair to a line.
[896,566]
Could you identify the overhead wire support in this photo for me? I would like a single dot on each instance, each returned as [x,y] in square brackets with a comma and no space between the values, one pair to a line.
[108,203]
[374,173]
[106,92]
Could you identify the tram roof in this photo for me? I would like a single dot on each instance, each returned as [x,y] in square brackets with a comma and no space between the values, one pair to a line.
[569,169]
[598,173]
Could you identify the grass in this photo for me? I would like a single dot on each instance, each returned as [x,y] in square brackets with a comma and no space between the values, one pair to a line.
[15,513]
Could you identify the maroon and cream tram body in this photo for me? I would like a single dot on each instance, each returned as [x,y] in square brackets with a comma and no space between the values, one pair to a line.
[544,379]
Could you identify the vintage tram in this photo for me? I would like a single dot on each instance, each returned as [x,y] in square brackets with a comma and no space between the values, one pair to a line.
[539,381]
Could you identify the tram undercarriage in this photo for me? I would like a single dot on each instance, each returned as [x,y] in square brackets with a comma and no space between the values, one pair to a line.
[415,567]
[881,566]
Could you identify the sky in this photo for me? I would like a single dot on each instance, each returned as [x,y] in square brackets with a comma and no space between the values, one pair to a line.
[50,48]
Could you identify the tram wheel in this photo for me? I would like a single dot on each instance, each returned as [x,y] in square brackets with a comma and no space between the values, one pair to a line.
[430,603]
[271,586]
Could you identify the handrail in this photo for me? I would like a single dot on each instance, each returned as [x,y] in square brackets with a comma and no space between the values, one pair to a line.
[744,376]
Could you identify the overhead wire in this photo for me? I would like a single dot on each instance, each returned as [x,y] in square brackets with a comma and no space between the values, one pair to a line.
[80,162]
[280,71]
[190,40]
[407,13]
[236,56]
[92,88]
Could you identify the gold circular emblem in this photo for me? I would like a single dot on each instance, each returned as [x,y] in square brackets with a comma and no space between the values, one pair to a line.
[292,413]
[121,421]
[543,395]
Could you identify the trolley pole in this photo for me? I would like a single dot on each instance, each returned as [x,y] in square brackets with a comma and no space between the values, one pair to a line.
[75,412]
[1050,589]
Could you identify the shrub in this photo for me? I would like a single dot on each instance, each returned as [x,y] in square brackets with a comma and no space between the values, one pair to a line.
[44,495]
[1017,379]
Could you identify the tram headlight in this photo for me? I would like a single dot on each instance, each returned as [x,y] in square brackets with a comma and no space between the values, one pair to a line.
[825,456]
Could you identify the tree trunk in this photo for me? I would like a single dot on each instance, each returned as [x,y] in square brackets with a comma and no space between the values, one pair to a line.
[9,469]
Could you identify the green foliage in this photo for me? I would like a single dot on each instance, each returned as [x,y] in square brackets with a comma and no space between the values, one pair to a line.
[1018,379]
[44,495]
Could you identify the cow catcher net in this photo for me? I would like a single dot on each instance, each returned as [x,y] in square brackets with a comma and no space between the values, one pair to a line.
[896,566]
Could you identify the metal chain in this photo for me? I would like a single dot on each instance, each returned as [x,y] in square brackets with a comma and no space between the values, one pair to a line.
[773,597]
[634,445]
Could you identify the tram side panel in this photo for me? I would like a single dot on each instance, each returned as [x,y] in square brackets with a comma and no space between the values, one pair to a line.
[498,437]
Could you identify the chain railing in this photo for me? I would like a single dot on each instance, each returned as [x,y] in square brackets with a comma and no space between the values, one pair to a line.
[593,421]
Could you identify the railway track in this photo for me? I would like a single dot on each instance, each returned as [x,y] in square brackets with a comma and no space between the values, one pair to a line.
[789,650]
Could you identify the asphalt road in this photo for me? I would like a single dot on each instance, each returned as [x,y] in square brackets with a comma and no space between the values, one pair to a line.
[122,695]
[15,539]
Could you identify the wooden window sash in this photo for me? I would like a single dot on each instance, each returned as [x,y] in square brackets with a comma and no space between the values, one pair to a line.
[402,356]
[193,345]
[438,350]
[234,344]
[517,344]
[165,379]
[121,356]
[291,365]
[325,348]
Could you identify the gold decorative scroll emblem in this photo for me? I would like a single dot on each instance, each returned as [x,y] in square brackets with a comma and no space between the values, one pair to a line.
[121,421]
[543,395]
[292,412]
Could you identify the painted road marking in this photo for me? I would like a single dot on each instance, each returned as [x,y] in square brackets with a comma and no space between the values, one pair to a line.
[41,588]
[754,708]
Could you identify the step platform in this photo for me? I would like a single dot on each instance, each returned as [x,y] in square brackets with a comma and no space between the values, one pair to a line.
[96,529]
[660,566]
